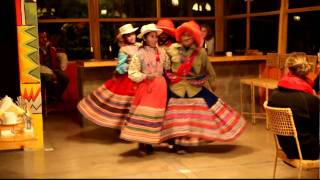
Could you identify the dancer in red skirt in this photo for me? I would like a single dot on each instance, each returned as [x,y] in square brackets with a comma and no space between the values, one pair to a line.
[195,115]
[148,107]
[109,105]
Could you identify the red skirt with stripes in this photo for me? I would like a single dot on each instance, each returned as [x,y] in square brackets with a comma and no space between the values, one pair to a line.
[109,105]
[191,122]
[146,113]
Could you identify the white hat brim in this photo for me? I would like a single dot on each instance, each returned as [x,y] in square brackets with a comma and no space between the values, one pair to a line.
[159,31]
[129,31]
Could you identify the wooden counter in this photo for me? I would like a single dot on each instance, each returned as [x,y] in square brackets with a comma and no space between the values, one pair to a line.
[110,63]
[237,58]
[99,63]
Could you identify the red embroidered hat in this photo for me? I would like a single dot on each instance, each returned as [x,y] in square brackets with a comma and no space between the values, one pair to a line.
[193,28]
[167,26]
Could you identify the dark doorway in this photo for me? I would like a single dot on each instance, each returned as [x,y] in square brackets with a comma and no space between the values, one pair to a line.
[9,68]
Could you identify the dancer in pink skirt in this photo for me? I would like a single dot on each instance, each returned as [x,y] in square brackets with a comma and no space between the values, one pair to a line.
[148,107]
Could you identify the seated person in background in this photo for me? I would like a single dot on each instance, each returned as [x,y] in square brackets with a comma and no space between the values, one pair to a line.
[207,35]
[167,37]
[295,91]
[53,63]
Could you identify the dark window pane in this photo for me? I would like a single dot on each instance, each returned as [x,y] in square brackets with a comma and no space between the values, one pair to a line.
[208,22]
[235,7]
[127,8]
[263,5]
[236,35]
[187,8]
[303,3]
[73,37]
[303,32]
[211,24]
[109,46]
[264,33]
[62,9]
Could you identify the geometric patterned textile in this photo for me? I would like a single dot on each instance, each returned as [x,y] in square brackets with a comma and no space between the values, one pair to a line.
[32,94]
[28,54]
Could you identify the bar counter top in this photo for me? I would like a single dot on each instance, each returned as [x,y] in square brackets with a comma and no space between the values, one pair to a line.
[106,63]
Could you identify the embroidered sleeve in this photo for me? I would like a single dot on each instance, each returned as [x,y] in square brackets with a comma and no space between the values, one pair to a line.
[166,62]
[134,70]
[122,65]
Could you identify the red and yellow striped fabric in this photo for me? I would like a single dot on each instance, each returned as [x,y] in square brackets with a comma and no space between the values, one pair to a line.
[192,118]
[106,106]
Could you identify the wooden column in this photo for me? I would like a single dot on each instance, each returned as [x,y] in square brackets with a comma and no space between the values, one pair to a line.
[158,8]
[219,26]
[94,28]
[248,25]
[283,27]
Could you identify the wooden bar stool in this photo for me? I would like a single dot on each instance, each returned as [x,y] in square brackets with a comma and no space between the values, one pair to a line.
[268,84]
[272,61]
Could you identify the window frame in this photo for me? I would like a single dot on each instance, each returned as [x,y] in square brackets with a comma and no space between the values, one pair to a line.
[219,19]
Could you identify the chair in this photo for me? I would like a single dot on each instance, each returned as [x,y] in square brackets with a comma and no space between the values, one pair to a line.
[280,122]
[272,61]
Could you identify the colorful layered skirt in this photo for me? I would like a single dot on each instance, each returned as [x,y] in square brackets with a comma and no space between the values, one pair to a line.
[201,119]
[146,113]
[109,105]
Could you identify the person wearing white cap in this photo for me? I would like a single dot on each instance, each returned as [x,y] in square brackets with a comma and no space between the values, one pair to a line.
[128,49]
[148,107]
[109,105]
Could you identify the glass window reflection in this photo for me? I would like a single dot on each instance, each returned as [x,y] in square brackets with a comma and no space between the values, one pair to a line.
[48,9]
[72,37]
[264,6]
[236,35]
[235,7]
[187,8]
[127,8]
[303,32]
[303,3]
[264,33]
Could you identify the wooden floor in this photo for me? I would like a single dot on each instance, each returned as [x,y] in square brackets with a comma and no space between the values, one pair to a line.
[96,152]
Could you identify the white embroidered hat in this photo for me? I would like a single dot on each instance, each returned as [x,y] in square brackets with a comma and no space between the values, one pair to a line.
[149,28]
[126,29]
